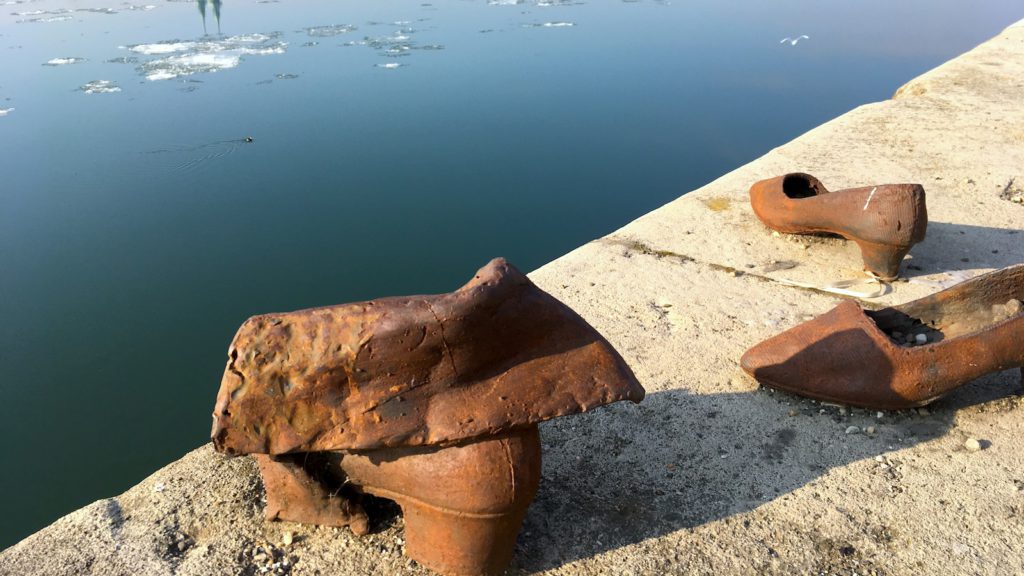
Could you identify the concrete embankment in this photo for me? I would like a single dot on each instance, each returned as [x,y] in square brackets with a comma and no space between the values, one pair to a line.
[709,475]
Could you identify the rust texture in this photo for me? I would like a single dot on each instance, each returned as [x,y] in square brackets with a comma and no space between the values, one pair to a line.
[496,354]
[430,401]
[295,494]
[858,357]
[885,220]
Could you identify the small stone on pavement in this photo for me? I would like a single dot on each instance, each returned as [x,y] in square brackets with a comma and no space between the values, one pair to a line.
[972,445]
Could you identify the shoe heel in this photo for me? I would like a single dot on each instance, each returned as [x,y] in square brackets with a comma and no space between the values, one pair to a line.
[882,259]
[461,544]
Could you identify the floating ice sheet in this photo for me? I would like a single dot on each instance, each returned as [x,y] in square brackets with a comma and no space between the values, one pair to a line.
[97,10]
[100,87]
[538,3]
[5,111]
[47,18]
[327,31]
[41,12]
[64,61]
[187,57]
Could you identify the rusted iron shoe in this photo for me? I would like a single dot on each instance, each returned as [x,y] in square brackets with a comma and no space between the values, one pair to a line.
[903,356]
[884,220]
[430,401]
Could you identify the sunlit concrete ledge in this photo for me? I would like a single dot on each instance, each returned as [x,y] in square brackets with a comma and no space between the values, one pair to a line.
[709,475]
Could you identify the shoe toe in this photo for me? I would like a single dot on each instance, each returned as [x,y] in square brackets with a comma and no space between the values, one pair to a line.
[829,358]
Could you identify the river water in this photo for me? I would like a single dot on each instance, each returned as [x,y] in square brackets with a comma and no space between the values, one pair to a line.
[170,168]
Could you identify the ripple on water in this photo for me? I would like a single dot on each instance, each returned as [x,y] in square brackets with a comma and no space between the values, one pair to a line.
[100,87]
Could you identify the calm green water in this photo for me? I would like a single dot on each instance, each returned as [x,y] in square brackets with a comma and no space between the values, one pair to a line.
[397,146]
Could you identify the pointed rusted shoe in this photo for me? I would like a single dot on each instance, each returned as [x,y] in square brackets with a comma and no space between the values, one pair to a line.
[884,220]
[903,356]
[431,401]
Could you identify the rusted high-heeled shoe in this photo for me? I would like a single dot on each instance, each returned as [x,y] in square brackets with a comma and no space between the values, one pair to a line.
[431,401]
[903,356]
[884,220]
[463,504]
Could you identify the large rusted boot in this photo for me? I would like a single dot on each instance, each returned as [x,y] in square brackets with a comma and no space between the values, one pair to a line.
[884,220]
[431,401]
[902,356]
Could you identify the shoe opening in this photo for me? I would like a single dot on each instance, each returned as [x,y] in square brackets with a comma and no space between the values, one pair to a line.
[937,325]
[800,186]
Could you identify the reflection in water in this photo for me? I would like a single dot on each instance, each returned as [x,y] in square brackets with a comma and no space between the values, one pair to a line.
[216,12]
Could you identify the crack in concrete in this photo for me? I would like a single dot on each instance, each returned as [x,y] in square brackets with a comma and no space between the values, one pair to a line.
[646,250]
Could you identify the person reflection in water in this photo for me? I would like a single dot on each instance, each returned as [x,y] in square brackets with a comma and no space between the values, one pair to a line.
[216,12]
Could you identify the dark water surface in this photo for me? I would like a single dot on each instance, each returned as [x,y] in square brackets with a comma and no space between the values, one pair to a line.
[397,146]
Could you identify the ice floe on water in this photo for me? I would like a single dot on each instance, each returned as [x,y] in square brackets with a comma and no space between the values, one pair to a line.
[44,16]
[187,64]
[100,87]
[5,111]
[42,12]
[398,44]
[187,57]
[64,61]
[143,7]
[327,31]
[46,19]
[560,24]
[123,60]
[286,76]
[538,3]
[162,47]
[59,15]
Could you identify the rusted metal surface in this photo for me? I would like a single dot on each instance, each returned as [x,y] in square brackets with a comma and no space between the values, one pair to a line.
[849,355]
[463,504]
[430,401]
[498,353]
[295,494]
[884,220]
